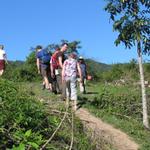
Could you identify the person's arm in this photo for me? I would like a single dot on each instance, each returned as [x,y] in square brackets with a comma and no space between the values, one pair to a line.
[38,64]
[52,68]
[86,70]
[79,71]
[63,72]
[60,61]
[5,57]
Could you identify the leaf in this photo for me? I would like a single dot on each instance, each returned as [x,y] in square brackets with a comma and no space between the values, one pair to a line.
[34,145]
[20,147]
[28,133]
[138,36]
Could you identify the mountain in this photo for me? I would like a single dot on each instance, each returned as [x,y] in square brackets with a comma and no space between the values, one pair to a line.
[95,68]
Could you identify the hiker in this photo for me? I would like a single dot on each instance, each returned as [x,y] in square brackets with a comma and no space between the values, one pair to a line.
[43,66]
[84,74]
[69,78]
[53,66]
[3,60]
[57,63]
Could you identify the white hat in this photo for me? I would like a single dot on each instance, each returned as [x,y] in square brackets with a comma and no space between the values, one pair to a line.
[80,57]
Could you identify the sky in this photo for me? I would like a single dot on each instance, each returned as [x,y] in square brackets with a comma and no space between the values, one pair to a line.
[27,23]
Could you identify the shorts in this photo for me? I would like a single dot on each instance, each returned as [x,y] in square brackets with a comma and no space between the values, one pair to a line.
[45,72]
[2,64]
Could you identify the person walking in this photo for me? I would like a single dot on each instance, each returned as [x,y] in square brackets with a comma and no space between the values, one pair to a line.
[69,78]
[3,60]
[43,66]
[84,74]
[53,66]
[57,61]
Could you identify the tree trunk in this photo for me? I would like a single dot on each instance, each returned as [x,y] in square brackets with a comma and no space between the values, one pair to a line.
[144,101]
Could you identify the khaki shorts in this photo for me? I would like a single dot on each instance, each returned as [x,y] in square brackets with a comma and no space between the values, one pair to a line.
[45,72]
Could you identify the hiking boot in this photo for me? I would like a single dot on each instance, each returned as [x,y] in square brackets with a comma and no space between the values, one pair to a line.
[54,91]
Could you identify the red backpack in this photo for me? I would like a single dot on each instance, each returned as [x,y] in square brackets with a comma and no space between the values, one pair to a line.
[54,60]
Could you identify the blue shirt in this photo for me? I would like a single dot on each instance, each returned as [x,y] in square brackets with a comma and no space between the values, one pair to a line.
[39,54]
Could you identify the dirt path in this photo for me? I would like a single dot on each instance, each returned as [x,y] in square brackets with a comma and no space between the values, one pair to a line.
[115,137]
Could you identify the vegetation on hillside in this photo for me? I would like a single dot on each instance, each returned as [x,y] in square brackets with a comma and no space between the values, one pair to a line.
[26,123]
[131,21]
[119,105]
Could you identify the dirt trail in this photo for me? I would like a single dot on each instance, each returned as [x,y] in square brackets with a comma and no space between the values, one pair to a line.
[115,137]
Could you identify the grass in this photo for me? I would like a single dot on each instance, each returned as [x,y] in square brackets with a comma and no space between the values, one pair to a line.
[55,103]
[127,122]
[52,101]
[124,118]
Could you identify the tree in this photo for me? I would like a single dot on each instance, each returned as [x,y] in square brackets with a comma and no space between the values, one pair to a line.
[72,46]
[131,20]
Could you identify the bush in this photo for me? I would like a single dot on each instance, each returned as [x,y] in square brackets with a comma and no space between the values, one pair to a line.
[128,104]
[20,115]
[25,122]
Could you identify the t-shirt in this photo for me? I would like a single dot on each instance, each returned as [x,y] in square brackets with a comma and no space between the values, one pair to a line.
[83,69]
[70,70]
[39,54]
[55,59]
[61,54]
[2,55]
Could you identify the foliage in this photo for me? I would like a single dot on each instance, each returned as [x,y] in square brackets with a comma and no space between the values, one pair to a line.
[20,114]
[25,123]
[131,19]
[127,104]
[22,71]
[96,69]
[125,71]
[119,106]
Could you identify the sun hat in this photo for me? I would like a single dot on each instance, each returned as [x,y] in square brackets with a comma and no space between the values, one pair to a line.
[81,57]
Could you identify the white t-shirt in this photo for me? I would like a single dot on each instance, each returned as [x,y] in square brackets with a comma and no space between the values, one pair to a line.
[2,55]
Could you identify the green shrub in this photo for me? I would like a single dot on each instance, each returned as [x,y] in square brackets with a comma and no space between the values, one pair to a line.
[22,117]
[121,103]
[27,123]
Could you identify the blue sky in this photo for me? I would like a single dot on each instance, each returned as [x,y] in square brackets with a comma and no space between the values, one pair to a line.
[27,23]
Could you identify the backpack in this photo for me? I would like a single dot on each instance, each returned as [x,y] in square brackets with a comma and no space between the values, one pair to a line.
[44,56]
[54,60]
[70,68]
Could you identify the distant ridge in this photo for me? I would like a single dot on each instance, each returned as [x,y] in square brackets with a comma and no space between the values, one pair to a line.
[97,67]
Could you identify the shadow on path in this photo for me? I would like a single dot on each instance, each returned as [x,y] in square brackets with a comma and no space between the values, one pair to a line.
[92,93]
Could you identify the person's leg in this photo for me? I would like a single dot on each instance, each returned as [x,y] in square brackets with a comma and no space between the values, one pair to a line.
[54,87]
[45,78]
[64,89]
[48,73]
[73,87]
[59,83]
[2,67]
[1,72]
[68,91]
[82,86]
[46,82]
[84,82]
[43,85]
